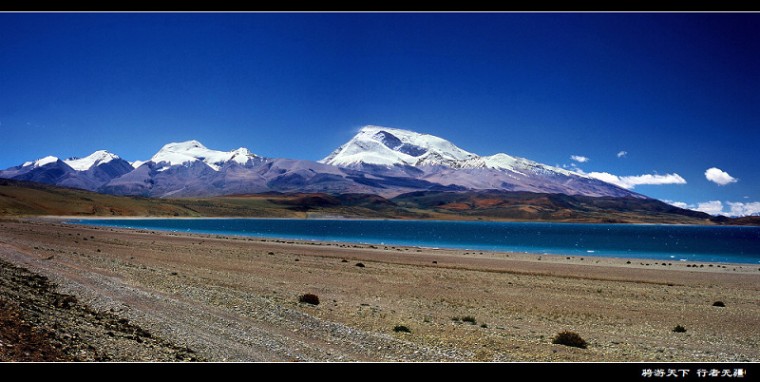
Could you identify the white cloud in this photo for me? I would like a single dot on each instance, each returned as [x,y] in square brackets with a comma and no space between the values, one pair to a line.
[743,209]
[629,182]
[622,154]
[579,158]
[716,207]
[677,204]
[713,207]
[719,176]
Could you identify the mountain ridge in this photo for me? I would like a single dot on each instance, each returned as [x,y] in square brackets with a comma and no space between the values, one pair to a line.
[378,160]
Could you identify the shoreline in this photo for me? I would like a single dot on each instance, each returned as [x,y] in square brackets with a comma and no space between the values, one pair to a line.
[231,298]
[592,255]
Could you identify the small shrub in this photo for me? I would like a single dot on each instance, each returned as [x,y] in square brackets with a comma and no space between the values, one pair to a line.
[344,261]
[719,304]
[484,326]
[65,301]
[469,319]
[360,265]
[569,338]
[679,329]
[401,329]
[309,299]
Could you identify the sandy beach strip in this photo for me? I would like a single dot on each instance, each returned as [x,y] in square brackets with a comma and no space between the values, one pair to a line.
[237,298]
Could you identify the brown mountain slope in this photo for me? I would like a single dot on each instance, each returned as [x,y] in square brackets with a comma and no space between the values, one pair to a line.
[500,205]
[34,199]
[28,198]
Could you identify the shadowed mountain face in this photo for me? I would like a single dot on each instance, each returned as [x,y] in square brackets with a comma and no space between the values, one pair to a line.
[54,171]
[59,173]
[378,160]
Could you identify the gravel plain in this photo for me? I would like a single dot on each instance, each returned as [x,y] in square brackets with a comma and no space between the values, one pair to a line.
[185,297]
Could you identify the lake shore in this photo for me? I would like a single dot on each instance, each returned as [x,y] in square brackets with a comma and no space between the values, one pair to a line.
[236,298]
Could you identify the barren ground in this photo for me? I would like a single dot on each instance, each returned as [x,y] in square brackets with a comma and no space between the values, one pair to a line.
[166,296]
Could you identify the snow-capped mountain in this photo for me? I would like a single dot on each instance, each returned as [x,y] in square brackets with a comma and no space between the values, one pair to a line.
[384,146]
[182,153]
[190,169]
[89,173]
[378,160]
[39,162]
[383,150]
[49,169]
[389,147]
[97,158]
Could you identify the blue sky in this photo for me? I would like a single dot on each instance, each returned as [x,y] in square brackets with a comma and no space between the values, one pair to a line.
[679,93]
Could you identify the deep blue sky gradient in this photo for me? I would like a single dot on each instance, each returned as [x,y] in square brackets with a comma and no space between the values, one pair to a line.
[679,92]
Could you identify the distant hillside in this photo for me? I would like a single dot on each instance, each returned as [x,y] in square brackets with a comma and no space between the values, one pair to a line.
[528,206]
[28,198]
[20,198]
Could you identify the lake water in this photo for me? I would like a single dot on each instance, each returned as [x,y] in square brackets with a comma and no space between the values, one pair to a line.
[660,242]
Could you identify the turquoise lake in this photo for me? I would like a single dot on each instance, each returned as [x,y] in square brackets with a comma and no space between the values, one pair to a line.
[728,244]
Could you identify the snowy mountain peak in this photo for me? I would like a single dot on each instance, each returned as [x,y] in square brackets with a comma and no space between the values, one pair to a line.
[385,146]
[41,162]
[517,165]
[180,153]
[183,146]
[95,159]
[389,147]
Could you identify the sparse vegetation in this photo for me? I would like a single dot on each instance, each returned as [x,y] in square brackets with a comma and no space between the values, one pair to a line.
[679,329]
[309,298]
[719,304]
[569,338]
[401,329]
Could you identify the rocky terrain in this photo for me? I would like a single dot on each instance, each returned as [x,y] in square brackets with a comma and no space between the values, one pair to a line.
[39,324]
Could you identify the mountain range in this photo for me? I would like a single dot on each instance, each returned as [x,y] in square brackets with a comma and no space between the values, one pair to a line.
[378,160]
